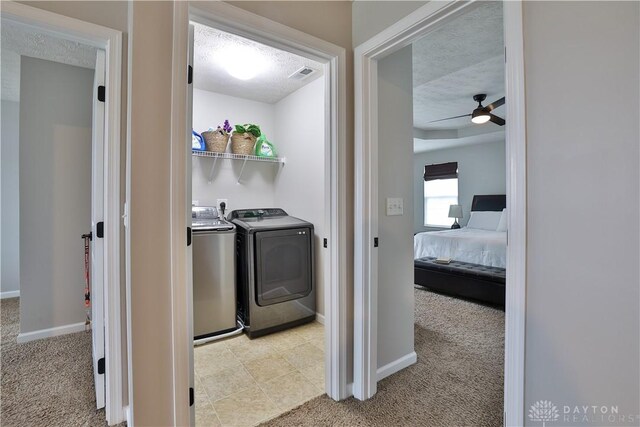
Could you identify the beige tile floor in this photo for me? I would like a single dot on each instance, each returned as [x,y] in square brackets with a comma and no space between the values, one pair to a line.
[242,382]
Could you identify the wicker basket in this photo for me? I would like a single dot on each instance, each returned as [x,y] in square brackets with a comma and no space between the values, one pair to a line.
[215,141]
[242,143]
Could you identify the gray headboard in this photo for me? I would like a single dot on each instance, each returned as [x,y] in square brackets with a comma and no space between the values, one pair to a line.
[490,202]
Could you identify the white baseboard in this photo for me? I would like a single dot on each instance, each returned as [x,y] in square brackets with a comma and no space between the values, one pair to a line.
[51,332]
[397,365]
[320,318]
[390,368]
[127,413]
[9,294]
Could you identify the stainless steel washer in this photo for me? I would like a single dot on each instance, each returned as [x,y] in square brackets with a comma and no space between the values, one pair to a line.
[214,273]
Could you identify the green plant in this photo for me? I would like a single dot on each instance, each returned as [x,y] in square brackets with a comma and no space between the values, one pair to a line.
[249,128]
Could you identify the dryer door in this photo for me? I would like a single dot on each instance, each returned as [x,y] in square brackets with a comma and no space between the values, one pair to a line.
[284,266]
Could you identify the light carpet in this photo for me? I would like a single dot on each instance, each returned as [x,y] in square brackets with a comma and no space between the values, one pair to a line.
[47,382]
[457,381]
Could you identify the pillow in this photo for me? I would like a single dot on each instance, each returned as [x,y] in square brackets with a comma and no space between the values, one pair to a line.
[484,220]
[502,225]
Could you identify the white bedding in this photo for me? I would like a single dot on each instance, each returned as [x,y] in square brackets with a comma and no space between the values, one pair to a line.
[465,244]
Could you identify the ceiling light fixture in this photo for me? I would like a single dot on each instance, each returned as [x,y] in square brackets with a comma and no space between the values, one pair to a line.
[242,62]
[480,115]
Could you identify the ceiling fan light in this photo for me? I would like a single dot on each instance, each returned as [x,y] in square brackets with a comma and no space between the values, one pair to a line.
[480,115]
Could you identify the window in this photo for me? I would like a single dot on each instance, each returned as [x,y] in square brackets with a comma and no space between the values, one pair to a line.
[440,191]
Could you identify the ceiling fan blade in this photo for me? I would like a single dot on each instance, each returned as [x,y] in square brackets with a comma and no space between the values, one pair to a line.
[451,118]
[497,120]
[495,104]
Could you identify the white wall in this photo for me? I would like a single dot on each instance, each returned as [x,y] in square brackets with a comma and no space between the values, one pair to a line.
[55,191]
[481,170]
[256,189]
[10,256]
[300,186]
[395,169]
[583,294]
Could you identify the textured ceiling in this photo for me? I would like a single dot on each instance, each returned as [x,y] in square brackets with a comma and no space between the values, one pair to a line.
[271,84]
[455,62]
[20,40]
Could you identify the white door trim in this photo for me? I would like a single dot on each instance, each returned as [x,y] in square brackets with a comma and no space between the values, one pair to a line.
[181,295]
[516,154]
[402,33]
[232,19]
[111,41]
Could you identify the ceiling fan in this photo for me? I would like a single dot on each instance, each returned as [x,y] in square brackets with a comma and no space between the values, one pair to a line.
[482,114]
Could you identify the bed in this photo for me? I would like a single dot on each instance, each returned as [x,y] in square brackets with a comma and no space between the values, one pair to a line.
[477,270]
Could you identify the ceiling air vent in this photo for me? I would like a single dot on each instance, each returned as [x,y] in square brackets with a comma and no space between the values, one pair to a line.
[302,73]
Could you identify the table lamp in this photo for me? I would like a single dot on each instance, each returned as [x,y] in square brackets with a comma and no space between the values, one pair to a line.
[455,211]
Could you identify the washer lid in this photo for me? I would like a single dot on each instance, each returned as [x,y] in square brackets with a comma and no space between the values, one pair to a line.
[206,218]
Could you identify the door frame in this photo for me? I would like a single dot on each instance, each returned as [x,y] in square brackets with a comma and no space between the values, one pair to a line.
[238,21]
[401,34]
[110,41]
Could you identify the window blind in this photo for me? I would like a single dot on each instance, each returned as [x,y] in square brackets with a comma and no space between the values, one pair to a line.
[441,171]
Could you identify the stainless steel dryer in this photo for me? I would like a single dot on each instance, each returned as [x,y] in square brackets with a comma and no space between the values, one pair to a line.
[275,272]
[214,273]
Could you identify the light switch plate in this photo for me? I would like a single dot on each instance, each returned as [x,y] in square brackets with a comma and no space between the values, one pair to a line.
[395,206]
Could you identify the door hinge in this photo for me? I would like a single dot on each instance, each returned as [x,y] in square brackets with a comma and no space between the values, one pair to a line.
[325,242]
[188,236]
[101,366]
[190,75]
[100,230]
[102,93]
[375,242]
[191,396]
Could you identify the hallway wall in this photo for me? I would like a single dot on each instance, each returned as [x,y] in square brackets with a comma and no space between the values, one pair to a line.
[583,293]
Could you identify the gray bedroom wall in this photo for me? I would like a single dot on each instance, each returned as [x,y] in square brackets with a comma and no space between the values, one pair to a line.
[583,314]
[10,255]
[395,166]
[300,184]
[55,191]
[481,170]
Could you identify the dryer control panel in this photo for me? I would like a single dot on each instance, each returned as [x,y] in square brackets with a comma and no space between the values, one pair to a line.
[257,213]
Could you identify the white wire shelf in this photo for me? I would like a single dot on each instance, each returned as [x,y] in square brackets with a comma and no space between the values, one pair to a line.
[230,156]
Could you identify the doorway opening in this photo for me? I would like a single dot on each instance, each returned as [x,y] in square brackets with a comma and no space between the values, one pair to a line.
[258,268]
[61,133]
[459,216]
[290,242]
[376,81]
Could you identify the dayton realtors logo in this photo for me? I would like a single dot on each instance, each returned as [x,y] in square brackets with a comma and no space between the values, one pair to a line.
[543,411]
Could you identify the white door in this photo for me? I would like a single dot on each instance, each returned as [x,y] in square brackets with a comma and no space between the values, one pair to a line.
[189,248]
[97,244]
